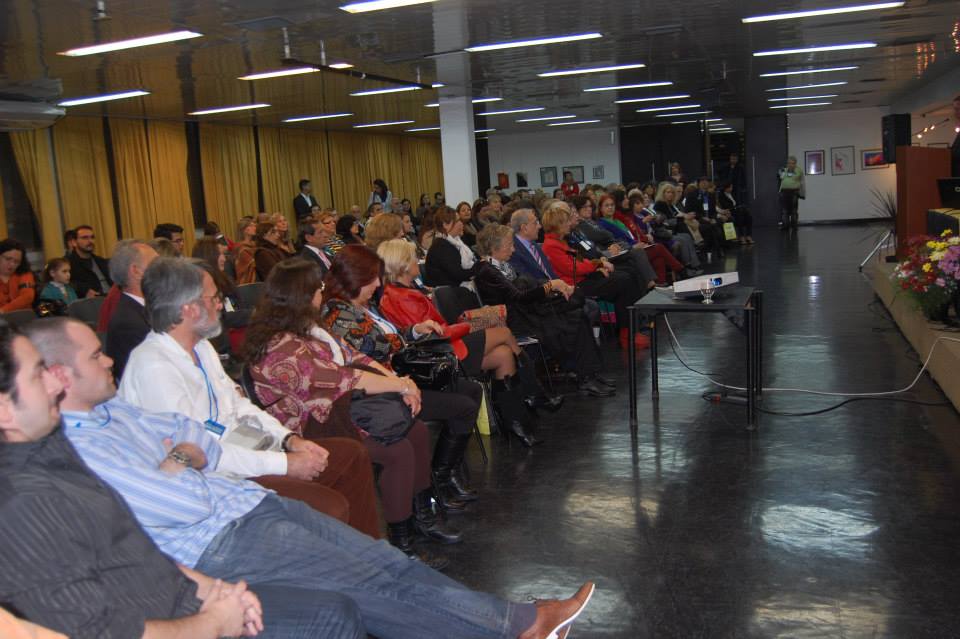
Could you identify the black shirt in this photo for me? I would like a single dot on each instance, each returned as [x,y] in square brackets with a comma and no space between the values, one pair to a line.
[83,277]
[72,556]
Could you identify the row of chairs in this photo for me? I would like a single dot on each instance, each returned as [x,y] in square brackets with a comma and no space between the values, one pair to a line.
[86,310]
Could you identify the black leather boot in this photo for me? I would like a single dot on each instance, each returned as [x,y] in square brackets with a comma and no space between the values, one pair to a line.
[534,394]
[509,406]
[429,524]
[447,457]
[401,535]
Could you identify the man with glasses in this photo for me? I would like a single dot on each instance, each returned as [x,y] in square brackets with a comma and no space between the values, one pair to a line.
[89,273]
[173,232]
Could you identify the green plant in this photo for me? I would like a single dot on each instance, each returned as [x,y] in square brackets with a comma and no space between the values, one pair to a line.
[884,204]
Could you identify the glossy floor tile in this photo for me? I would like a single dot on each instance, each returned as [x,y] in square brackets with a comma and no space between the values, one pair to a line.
[845,524]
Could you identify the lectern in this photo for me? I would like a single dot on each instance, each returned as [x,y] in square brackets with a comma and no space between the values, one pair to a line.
[918,168]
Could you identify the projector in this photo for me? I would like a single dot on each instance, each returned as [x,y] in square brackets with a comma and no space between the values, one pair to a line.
[691,287]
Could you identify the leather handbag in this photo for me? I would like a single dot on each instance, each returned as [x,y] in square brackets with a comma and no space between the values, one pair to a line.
[385,416]
[430,363]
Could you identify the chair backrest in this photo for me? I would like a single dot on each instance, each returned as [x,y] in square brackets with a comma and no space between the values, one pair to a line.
[246,383]
[18,319]
[451,301]
[250,294]
[86,310]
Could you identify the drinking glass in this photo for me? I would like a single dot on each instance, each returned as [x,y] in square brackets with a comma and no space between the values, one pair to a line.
[707,289]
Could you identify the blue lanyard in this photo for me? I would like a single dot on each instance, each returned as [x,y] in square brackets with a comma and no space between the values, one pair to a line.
[382,319]
[101,424]
[211,396]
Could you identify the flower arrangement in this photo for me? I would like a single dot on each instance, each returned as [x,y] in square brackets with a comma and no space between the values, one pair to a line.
[930,275]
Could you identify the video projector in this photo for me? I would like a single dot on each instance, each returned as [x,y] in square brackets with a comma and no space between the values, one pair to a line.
[691,287]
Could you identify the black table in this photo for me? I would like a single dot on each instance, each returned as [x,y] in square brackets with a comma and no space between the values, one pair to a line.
[745,299]
[939,220]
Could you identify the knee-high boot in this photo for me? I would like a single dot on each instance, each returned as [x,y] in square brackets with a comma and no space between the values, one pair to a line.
[429,523]
[447,458]
[508,402]
[534,394]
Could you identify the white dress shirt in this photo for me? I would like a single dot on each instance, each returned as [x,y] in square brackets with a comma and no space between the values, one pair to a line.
[161,376]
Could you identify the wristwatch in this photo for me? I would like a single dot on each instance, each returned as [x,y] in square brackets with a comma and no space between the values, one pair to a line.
[180,457]
[285,444]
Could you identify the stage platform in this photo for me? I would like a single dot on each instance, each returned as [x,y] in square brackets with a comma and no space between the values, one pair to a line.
[945,364]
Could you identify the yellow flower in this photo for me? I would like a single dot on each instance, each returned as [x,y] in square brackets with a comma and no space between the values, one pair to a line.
[946,233]
[936,256]
[927,267]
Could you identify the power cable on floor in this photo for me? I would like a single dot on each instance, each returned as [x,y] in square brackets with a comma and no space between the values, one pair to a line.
[903,400]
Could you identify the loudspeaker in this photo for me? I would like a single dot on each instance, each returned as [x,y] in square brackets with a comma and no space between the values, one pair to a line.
[896,132]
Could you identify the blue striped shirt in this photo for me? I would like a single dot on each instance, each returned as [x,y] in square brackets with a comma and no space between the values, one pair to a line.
[182,513]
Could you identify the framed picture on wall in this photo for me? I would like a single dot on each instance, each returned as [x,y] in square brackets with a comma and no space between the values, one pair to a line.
[548,176]
[577,173]
[598,172]
[842,160]
[813,162]
[503,180]
[521,180]
[872,159]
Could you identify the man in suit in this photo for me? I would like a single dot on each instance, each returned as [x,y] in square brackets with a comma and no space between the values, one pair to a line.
[129,324]
[89,273]
[304,201]
[528,259]
[314,234]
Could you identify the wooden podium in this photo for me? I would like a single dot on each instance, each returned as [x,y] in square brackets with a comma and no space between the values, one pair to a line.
[918,168]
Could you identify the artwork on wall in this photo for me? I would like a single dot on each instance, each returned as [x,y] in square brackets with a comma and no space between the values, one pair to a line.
[577,173]
[872,159]
[813,162]
[503,180]
[598,172]
[521,180]
[842,161]
[548,176]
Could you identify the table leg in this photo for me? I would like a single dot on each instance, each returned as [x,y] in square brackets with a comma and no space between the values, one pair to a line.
[632,366]
[654,371]
[750,326]
[758,350]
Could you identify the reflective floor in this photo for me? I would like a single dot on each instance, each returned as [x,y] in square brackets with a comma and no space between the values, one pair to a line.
[845,524]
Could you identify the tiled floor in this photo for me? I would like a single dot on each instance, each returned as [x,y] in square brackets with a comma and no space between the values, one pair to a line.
[845,524]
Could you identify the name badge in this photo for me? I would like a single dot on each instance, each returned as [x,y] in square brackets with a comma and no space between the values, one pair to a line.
[215,429]
[228,305]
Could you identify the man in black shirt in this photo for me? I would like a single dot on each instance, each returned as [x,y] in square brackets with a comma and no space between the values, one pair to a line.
[89,273]
[735,175]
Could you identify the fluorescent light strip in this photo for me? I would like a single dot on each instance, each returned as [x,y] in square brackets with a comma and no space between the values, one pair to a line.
[532,43]
[686,121]
[437,85]
[434,105]
[242,107]
[677,115]
[382,91]
[826,47]
[621,87]
[808,86]
[423,128]
[341,65]
[510,111]
[669,108]
[808,104]
[619,67]
[378,5]
[372,124]
[679,96]
[324,116]
[547,118]
[120,45]
[574,122]
[790,15]
[778,74]
[102,98]
[278,74]
[803,97]
[484,130]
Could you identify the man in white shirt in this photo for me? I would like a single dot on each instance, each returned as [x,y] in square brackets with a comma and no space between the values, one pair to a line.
[176,369]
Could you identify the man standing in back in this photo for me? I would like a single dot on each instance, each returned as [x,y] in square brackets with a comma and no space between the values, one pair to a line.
[304,202]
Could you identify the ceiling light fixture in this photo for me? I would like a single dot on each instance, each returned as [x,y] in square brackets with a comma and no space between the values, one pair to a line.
[806,104]
[778,74]
[619,67]
[547,118]
[378,5]
[102,98]
[818,48]
[686,121]
[434,105]
[341,65]
[484,130]
[437,85]
[510,111]
[574,122]
[372,124]
[621,87]
[803,97]
[678,115]
[119,45]
[790,15]
[241,107]
[808,86]
[532,43]
[679,96]
[383,91]
[669,108]
[278,74]
[323,116]
[423,128]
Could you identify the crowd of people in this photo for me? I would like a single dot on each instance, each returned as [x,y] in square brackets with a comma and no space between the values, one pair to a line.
[247,503]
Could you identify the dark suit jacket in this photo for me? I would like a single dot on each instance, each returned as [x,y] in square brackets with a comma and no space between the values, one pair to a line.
[443,266]
[310,256]
[301,206]
[524,263]
[82,277]
[129,326]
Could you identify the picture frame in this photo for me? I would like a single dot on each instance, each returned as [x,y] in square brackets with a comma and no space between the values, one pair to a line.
[872,159]
[577,171]
[521,180]
[598,172]
[548,176]
[842,160]
[503,180]
[813,162]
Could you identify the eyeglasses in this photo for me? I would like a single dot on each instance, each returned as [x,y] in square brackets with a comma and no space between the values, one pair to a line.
[216,298]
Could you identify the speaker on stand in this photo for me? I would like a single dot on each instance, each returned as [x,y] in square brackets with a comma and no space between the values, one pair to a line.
[896,132]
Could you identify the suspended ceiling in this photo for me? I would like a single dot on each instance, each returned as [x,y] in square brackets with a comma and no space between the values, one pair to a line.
[702,47]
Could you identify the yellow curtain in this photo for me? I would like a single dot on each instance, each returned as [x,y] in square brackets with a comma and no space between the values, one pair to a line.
[288,156]
[168,173]
[32,150]
[131,157]
[84,178]
[422,169]
[356,160]
[229,164]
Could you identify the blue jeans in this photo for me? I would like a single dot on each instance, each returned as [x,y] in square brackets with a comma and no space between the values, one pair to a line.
[283,542]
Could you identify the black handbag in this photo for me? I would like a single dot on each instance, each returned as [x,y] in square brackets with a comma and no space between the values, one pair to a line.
[430,363]
[384,416]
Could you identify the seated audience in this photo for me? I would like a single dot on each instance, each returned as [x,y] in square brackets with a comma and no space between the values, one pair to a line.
[381,228]
[348,230]
[450,262]
[172,232]
[528,258]
[244,252]
[213,525]
[235,315]
[18,286]
[284,242]
[677,220]
[285,335]
[268,252]
[315,233]
[681,245]
[88,272]
[128,324]
[727,203]
[380,194]
[470,230]
[69,242]
[56,282]
[164,247]
[177,369]
[660,257]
